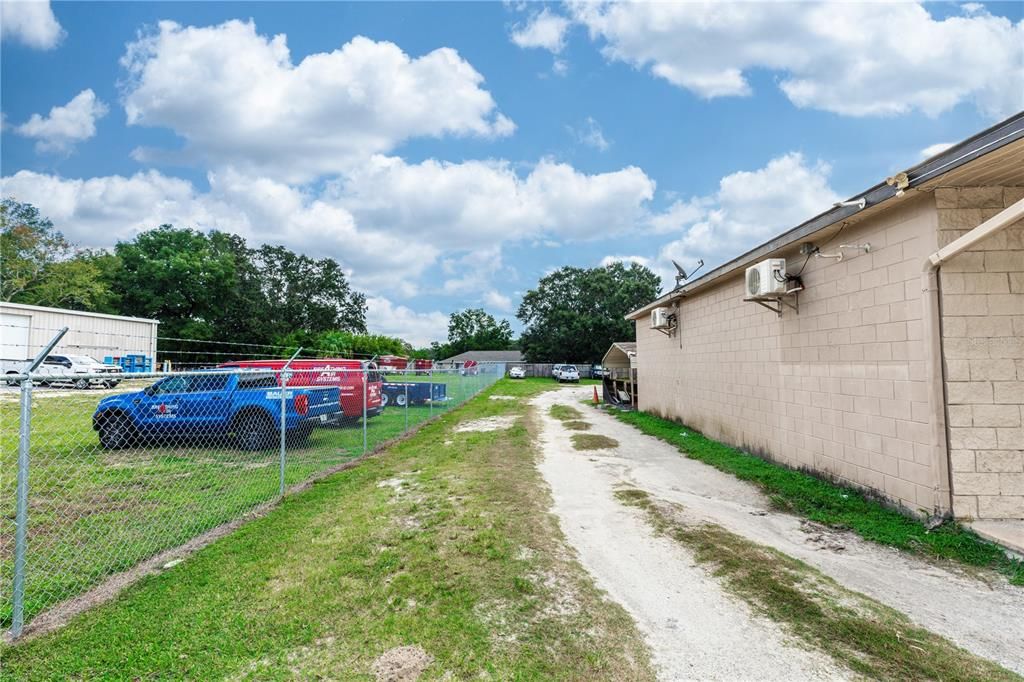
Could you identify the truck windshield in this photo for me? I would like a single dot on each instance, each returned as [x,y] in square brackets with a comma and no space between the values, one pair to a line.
[570,368]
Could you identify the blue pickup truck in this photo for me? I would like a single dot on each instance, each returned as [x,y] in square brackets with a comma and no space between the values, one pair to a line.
[245,408]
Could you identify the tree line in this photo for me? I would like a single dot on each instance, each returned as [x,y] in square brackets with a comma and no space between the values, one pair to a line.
[212,291]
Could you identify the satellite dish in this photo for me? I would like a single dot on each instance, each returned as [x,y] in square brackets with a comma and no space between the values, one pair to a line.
[681,275]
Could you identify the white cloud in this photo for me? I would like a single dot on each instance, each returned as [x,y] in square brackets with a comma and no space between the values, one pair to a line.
[498,301]
[30,22]
[590,134]
[749,208]
[100,211]
[474,204]
[933,149]
[237,98]
[65,126]
[419,329]
[544,29]
[639,260]
[855,59]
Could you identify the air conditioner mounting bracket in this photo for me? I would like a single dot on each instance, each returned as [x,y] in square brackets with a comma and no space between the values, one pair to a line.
[779,300]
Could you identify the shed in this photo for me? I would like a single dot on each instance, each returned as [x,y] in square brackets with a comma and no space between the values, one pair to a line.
[619,383]
[26,329]
[621,355]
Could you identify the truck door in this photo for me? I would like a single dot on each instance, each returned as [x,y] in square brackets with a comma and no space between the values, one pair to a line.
[157,411]
[206,404]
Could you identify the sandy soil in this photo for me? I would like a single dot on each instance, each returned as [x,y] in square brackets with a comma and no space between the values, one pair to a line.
[983,617]
[694,629]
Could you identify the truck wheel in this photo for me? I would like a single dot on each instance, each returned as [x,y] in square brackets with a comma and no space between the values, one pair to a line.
[401,400]
[12,382]
[253,431]
[384,400]
[116,432]
[82,384]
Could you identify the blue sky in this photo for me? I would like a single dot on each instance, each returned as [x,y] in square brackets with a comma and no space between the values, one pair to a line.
[449,155]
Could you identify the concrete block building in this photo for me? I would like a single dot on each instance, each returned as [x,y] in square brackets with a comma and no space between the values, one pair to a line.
[898,366]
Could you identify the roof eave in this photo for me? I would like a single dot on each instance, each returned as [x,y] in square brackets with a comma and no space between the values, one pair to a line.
[985,142]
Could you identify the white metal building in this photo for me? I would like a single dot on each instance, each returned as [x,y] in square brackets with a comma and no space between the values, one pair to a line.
[26,329]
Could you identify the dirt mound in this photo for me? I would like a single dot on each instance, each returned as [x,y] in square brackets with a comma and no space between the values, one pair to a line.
[401,664]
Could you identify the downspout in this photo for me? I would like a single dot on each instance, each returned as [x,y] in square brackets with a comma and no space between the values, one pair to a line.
[932,327]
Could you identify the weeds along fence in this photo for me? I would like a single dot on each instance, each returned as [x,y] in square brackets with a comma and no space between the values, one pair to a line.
[99,479]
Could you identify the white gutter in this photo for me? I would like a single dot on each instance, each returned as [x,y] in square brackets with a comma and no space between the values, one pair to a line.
[933,340]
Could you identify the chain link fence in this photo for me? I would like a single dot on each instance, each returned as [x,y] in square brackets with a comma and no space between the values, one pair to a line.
[99,478]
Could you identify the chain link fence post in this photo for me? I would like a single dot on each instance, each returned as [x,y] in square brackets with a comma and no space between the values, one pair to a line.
[406,382]
[284,427]
[21,511]
[366,381]
[431,394]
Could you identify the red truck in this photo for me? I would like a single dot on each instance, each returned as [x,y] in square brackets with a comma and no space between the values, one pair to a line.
[422,364]
[392,363]
[346,374]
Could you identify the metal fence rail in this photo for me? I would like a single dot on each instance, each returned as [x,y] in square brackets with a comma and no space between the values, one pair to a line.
[97,480]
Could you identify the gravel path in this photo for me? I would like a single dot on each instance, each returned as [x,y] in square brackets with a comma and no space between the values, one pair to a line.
[694,629]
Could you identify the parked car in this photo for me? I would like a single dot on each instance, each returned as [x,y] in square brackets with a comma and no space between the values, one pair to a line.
[555,369]
[517,373]
[61,369]
[243,407]
[598,371]
[567,373]
[344,373]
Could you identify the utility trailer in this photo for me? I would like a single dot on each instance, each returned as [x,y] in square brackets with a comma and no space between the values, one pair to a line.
[417,392]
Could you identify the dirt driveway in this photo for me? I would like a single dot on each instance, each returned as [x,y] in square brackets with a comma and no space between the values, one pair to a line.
[688,619]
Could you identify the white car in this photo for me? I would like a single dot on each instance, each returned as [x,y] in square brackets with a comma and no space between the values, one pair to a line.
[517,373]
[63,367]
[567,373]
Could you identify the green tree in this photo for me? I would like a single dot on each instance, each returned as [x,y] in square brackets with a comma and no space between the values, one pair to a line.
[308,294]
[41,267]
[575,314]
[180,277]
[474,329]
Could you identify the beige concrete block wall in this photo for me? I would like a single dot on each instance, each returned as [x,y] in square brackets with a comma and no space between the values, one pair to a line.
[840,388]
[983,344]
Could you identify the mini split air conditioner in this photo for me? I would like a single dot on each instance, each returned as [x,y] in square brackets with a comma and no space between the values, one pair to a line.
[767,278]
[661,318]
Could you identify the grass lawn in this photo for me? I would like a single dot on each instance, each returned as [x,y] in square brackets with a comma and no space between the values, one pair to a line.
[831,504]
[94,512]
[442,542]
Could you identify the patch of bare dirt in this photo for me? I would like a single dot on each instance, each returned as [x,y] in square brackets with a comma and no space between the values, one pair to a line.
[401,664]
[487,424]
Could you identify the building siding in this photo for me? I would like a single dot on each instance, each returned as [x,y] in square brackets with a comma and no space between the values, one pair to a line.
[839,388]
[97,336]
[983,344]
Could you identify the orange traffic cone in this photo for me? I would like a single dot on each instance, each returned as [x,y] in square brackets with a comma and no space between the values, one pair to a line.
[596,400]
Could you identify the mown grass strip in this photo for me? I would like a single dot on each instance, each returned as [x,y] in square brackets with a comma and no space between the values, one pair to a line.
[444,542]
[859,632]
[832,504]
[576,425]
[593,441]
[565,413]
